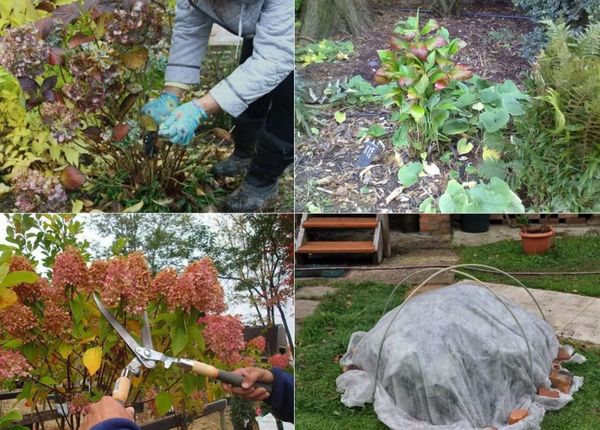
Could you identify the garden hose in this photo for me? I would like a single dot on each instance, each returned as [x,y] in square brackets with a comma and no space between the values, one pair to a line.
[454,269]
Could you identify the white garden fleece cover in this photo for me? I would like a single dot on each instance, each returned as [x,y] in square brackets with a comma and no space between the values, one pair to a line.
[454,359]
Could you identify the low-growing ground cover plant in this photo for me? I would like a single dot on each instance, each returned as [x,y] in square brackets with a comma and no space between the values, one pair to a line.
[70,97]
[59,349]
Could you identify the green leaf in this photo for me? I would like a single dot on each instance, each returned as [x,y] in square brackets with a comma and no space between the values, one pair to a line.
[18,277]
[456,126]
[464,147]
[376,130]
[494,119]
[48,380]
[409,175]
[428,206]
[163,403]
[400,138]
[179,338]
[422,85]
[417,112]
[340,117]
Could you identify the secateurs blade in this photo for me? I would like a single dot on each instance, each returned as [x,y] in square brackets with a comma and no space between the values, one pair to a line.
[146,356]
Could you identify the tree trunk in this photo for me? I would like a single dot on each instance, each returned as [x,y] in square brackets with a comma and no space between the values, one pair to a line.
[447,7]
[288,334]
[324,18]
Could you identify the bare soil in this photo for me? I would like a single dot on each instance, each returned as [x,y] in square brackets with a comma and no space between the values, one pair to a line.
[327,178]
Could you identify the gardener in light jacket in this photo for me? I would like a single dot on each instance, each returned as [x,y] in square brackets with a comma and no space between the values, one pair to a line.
[258,94]
[108,414]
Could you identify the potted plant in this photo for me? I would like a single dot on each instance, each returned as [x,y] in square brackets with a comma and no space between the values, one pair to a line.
[536,239]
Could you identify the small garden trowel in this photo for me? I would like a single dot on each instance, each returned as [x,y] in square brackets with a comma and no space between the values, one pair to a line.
[146,356]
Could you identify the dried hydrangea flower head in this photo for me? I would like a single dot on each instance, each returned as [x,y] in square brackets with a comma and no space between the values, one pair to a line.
[62,121]
[127,279]
[197,287]
[13,365]
[224,336]
[22,52]
[70,270]
[279,360]
[259,343]
[37,192]
[18,321]
[142,24]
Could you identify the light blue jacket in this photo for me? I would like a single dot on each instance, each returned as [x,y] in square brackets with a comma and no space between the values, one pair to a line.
[270,22]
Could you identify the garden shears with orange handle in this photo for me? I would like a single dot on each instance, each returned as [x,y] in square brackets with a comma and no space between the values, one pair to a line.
[146,357]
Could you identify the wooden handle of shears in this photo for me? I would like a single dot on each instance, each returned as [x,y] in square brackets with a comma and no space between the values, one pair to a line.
[121,390]
[230,378]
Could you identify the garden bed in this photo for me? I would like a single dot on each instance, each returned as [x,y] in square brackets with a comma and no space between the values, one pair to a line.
[327,178]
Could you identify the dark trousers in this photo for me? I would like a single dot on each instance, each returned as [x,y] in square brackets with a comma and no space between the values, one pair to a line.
[265,130]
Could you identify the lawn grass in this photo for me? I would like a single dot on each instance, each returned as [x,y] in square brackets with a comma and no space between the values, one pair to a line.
[357,306]
[569,254]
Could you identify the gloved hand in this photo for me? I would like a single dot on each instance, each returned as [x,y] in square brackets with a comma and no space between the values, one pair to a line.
[160,108]
[181,124]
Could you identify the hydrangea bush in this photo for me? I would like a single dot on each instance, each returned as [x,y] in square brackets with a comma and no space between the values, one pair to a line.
[55,343]
[84,72]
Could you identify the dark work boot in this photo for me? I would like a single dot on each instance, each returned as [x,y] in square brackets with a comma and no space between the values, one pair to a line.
[259,188]
[245,135]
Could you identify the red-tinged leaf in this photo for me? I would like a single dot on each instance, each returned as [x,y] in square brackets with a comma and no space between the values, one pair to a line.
[410,36]
[49,83]
[72,178]
[28,85]
[58,96]
[94,133]
[441,84]
[420,52]
[381,77]
[461,73]
[79,39]
[394,44]
[119,132]
[56,56]
[44,27]
[67,13]
[439,42]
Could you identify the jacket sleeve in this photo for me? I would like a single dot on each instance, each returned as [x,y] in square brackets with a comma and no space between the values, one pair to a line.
[188,44]
[116,424]
[282,396]
[270,63]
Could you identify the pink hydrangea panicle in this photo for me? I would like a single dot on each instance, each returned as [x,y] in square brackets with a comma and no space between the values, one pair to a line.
[27,292]
[259,343]
[57,321]
[224,336]
[279,360]
[198,287]
[163,282]
[18,321]
[97,274]
[51,293]
[128,279]
[70,270]
[13,365]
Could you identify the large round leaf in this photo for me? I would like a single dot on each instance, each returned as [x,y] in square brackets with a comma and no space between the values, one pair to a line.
[409,174]
[494,119]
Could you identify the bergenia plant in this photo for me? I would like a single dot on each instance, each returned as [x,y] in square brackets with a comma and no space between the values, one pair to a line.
[56,346]
[420,62]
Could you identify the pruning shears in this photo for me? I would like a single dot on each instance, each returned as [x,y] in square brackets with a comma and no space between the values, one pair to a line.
[146,357]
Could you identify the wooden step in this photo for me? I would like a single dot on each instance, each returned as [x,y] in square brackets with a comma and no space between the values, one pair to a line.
[337,247]
[340,222]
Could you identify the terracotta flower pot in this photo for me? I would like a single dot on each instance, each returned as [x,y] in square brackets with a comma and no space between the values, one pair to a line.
[536,242]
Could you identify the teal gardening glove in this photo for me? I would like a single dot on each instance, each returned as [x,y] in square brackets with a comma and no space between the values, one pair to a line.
[160,108]
[181,124]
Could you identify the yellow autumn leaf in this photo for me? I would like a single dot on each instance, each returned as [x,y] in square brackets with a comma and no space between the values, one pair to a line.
[92,359]
[7,297]
[491,154]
